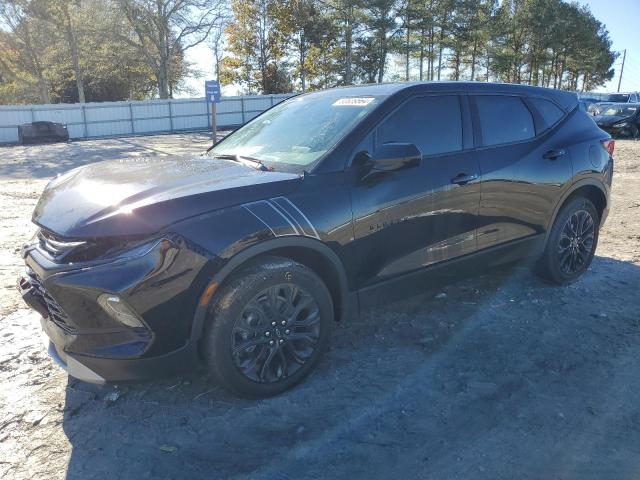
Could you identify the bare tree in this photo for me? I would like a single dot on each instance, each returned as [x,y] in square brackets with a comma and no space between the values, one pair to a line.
[165,29]
[218,40]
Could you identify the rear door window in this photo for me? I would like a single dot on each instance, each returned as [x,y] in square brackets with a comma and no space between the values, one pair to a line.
[550,112]
[504,119]
[433,124]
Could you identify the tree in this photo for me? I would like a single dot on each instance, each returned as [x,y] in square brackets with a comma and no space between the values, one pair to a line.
[163,30]
[257,38]
[76,50]
[37,66]
[347,16]
[22,47]
[380,21]
[307,28]
[66,18]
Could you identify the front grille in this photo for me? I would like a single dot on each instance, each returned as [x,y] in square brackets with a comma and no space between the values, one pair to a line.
[56,314]
[56,247]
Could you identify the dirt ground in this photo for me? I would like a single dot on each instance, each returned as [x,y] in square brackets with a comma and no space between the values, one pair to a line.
[498,377]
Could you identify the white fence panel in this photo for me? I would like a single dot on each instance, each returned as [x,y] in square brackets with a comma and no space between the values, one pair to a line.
[107,113]
[191,123]
[8,134]
[107,119]
[107,129]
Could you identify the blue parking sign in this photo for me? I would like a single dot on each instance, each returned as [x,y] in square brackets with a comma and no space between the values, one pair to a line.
[212,91]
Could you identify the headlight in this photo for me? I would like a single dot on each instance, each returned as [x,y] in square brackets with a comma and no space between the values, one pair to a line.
[109,249]
[621,125]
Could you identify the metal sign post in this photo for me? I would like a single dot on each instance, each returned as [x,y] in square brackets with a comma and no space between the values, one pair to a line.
[213,95]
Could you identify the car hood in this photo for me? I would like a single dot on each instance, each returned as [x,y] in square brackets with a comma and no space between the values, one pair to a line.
[143,195]
[608,120]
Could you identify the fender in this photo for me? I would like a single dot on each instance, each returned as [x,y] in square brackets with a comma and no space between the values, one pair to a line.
[593,182]
[266,246]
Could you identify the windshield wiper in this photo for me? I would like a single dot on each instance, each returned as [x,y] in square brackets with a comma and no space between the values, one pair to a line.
[249,161]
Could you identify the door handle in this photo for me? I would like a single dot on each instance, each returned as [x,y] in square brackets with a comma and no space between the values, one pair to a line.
[463,178]
[553,154]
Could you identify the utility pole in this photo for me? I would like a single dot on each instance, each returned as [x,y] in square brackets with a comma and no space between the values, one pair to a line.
[624,56]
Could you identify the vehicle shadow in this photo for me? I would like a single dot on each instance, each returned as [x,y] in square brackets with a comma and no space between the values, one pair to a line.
[487,378]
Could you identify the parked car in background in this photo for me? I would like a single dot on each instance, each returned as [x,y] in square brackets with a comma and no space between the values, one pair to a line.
[595,102]
[620,120]
[630,97]
[595,108]
[42,132]
[626,97]
[326,203]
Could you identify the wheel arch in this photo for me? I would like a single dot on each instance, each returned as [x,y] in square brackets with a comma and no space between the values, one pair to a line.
[307,251]
[592,189]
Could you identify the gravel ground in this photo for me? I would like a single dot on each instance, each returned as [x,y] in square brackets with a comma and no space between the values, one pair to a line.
[497,377]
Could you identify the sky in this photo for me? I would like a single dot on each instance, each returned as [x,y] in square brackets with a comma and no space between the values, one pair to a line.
[620,17]
[622,20]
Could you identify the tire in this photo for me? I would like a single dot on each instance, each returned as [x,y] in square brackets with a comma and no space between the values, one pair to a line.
[571,243]
[635,132]
[247,347]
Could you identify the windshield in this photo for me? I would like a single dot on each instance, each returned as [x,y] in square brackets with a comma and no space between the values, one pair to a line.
[298,131]
[619,111]
[616,97]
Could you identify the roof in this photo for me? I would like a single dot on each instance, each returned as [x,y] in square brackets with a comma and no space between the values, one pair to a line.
[620,104]
[566,99]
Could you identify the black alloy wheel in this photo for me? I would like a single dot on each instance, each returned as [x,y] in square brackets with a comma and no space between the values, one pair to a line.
[268,326]
[276,333]
[575,245]
[571,243]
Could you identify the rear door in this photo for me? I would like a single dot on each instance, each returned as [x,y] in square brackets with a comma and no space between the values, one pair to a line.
[413,218]
[523,165]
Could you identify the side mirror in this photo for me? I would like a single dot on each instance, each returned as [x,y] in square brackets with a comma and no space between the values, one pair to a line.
[396,156]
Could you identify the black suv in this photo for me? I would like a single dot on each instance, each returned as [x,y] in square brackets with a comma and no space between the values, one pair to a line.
[620,119]
[329,202]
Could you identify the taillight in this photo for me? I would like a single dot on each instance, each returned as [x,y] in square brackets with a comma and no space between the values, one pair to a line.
[609,145]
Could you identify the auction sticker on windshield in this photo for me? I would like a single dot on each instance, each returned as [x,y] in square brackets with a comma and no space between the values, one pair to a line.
[353,101]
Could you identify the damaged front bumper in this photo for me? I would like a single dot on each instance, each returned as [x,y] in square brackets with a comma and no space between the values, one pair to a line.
[93,344]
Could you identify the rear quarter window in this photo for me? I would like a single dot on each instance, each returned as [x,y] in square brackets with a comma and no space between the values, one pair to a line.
[504,119]
[550,112]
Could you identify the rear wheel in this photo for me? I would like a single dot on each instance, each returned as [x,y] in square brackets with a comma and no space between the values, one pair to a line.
[572,242]
[268,327]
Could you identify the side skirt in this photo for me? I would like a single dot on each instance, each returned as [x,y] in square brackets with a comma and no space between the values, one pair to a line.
[450,271]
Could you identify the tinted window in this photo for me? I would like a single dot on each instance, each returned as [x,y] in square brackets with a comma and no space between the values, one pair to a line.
[549,111]
[504,119]
[616,98]
[433,124]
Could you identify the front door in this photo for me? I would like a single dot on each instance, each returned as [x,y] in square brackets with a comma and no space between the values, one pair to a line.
[408,219]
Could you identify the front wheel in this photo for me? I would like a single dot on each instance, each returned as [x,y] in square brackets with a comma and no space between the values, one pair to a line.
[571,243]
[267,327]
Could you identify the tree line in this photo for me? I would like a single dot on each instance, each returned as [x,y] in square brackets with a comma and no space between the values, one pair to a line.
[77,50]
[98,50]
